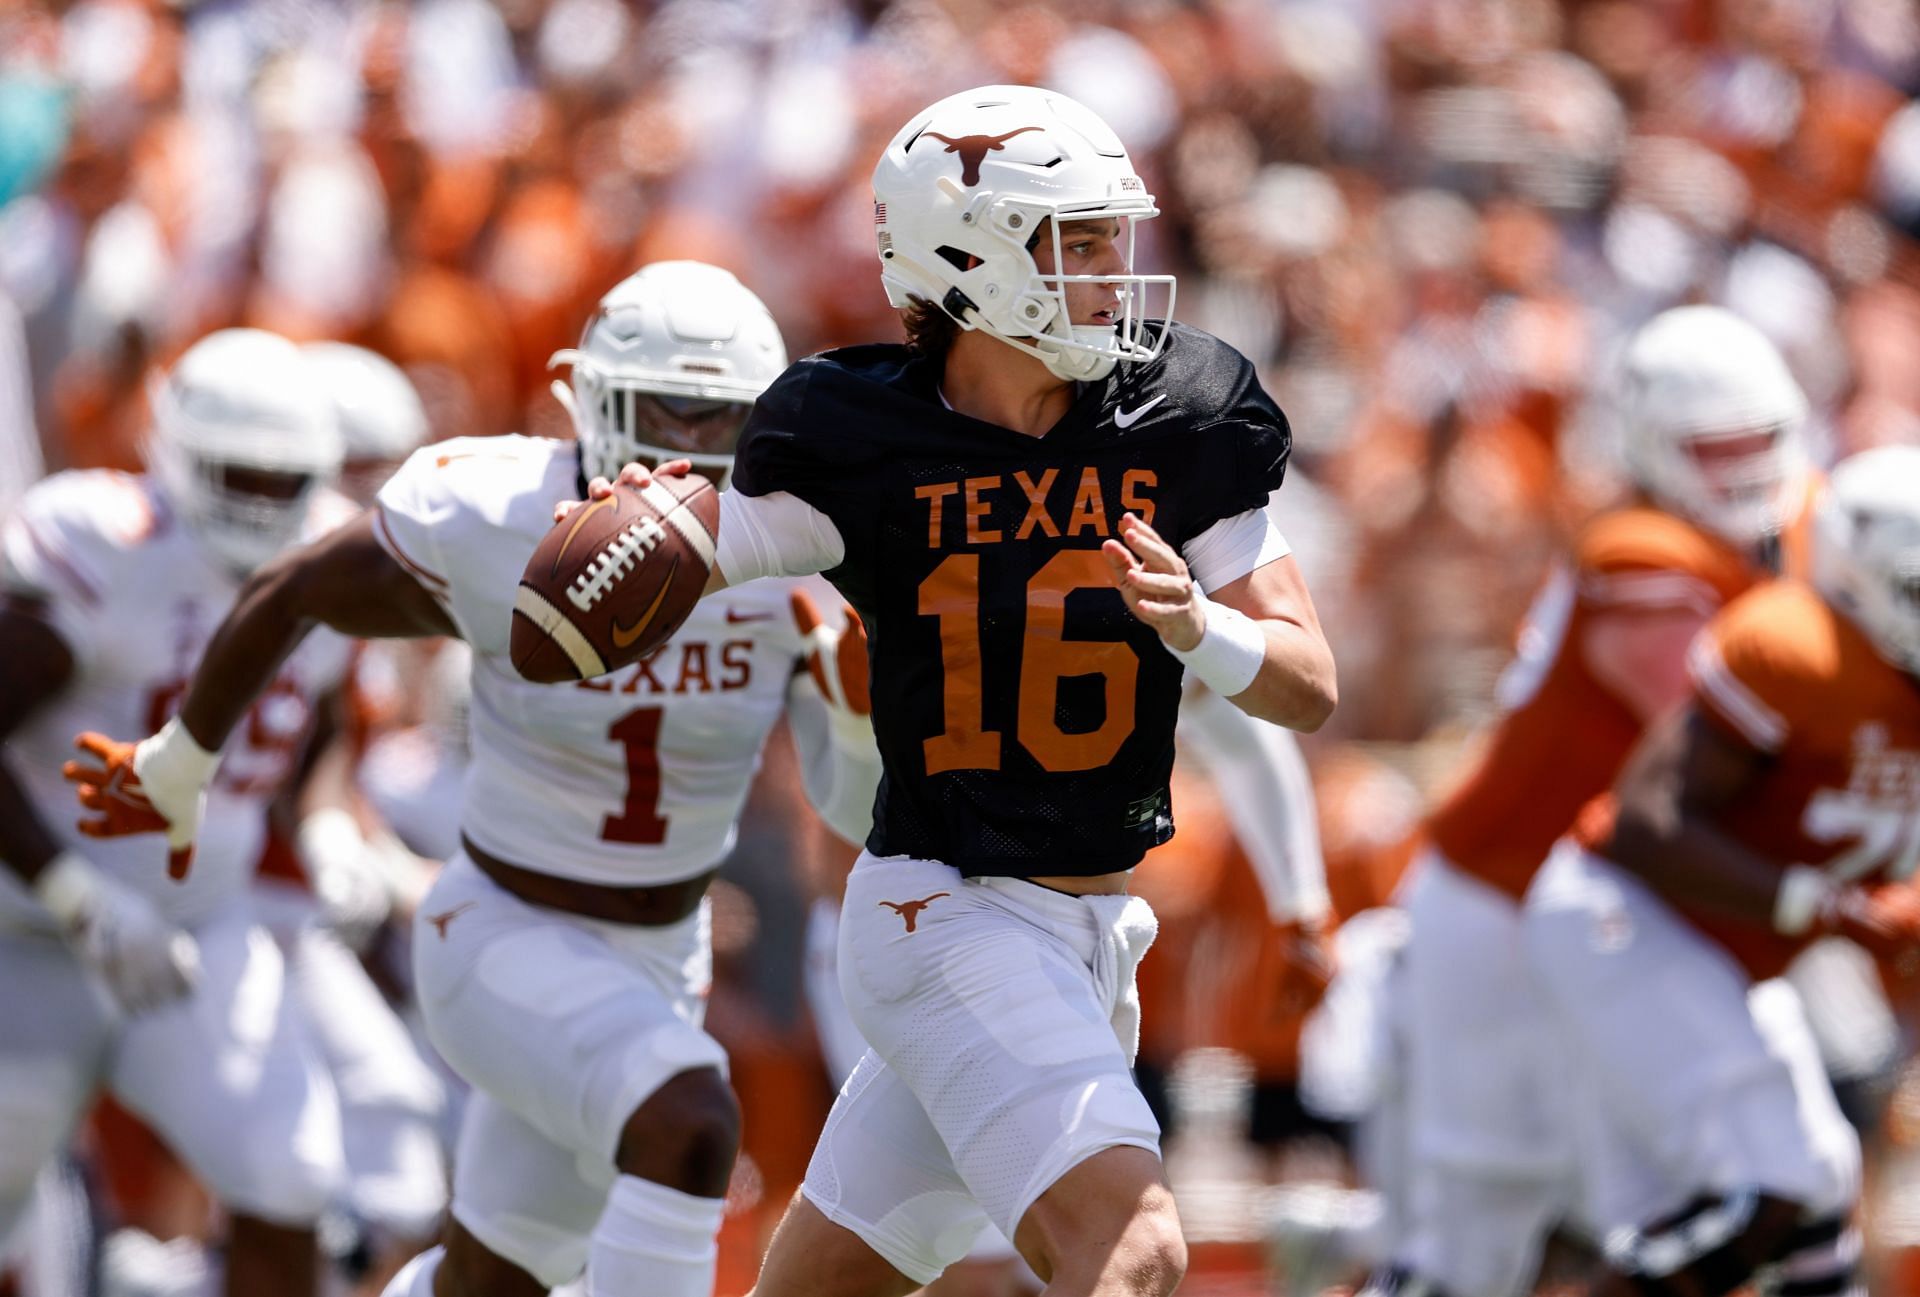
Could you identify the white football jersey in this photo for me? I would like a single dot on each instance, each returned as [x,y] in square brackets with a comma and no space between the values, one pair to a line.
[628,780]
[136,598]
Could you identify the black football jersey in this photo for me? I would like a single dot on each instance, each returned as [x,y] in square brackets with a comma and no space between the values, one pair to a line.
[1025,718]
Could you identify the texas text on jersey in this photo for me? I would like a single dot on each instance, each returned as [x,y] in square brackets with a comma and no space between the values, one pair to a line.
[1024,716]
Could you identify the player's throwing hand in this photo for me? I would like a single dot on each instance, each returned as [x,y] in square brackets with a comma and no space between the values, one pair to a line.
[632,474]
[1153,579]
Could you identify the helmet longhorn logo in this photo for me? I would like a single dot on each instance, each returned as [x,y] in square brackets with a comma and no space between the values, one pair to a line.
[973,150]
[910,910]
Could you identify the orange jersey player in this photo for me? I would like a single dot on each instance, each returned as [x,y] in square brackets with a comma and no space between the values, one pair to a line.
[1712,436]
[1782,804]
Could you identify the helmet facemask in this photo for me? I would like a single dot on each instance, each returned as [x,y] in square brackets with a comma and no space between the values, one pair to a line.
[668,368]
[965,189]
[1743,484]
[622,419]
[249,514]
[1036,316]
[242,438]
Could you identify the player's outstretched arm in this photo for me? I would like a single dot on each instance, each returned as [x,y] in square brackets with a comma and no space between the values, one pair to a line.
[1259,633]
[345,580]
[1684,770]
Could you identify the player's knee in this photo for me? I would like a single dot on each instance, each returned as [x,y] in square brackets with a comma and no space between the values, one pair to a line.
[685,1135]
[1708,1248]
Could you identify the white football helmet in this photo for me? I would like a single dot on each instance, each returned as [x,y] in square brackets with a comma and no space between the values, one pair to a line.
[1866,549]
[668,368]
[959,199]
[379,414]
[242,437]
[1714,423]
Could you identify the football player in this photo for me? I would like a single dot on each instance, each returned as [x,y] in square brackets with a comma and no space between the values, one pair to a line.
[1267,793]
[1047,507]
[169,995]
[562,958]
[1781,804]
[1712,438]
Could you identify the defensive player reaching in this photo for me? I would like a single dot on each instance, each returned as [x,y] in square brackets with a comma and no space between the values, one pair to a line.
[1780,805]
[1046,507]
[561,959]
[171,996]
[1712,439]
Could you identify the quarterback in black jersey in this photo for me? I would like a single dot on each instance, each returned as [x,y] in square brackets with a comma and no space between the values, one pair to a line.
[1047,507]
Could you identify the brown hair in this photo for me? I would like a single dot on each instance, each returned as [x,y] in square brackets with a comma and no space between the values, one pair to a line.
[930,330]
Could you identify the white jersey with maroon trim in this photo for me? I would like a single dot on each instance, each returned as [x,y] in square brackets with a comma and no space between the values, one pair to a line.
[136,598]
[631,779]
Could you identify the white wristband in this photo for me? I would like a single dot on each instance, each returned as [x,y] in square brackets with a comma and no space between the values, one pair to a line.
[1230,654]
[65,885]
[1804,896]
[174,759]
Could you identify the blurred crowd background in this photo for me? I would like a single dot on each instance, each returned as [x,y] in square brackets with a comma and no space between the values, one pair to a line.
[1431,223]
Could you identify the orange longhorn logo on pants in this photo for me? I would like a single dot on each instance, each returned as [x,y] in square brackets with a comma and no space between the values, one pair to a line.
[910,910]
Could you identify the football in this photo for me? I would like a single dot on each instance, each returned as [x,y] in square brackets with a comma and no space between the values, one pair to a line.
[612,582]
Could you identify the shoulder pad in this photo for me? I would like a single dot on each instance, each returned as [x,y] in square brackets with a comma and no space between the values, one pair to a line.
[69,531]
[1207,381]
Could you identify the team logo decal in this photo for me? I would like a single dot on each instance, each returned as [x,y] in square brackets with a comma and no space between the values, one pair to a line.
[910,910]
[973,150]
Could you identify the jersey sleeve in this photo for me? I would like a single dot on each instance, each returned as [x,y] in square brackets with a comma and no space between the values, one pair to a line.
[1757,673]
[1241,464]
[1233,547]
[1640,561]
[58,551]
[443,517]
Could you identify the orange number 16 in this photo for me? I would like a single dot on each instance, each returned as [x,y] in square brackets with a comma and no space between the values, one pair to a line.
[952,594]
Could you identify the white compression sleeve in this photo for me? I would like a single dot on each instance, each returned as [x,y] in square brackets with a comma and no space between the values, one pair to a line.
[1263,783]
[839,763]
[776,534]
[1233,547]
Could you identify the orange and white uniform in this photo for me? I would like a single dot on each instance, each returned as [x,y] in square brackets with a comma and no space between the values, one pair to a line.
[1701,1070]
[1784,674]
[1491,1154]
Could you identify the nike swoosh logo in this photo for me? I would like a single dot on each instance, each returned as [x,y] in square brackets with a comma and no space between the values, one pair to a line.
[1127,418]
[740,618]
[579,520]
[625,635]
